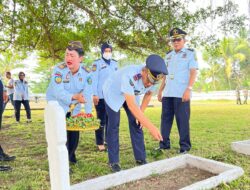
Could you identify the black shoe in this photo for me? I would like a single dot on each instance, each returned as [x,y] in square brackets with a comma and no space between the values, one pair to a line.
[183,151]
[141,162]
[5,168]
[6,157]
[115,167]
[156,152]
[72,162]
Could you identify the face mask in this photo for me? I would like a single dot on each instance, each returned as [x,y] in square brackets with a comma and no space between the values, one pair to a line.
[107,56]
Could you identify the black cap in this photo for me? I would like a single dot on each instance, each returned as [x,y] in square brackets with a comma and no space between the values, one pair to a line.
[104,46]
[75,45]
[176,33]
[157,68]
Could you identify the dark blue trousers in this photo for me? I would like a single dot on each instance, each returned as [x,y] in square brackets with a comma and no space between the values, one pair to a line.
[101,114]
[72,143]
[17,105]
[136,135]
[174,107]
[1,103]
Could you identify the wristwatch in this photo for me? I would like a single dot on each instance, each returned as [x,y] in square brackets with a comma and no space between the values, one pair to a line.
[190,88]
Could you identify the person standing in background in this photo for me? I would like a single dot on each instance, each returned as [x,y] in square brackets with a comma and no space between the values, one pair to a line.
[238,100]
[10,90]
[245,94]
[21,96]
[102,68]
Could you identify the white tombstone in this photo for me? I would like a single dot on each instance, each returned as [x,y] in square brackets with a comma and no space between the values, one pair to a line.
[242,147]
[55,128]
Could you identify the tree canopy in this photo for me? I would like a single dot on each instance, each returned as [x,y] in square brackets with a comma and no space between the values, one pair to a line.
[135,28]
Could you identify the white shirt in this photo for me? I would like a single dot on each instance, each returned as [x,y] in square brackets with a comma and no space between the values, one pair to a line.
[10,90]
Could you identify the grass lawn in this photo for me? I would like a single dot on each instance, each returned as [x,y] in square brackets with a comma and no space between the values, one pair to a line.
[214,125]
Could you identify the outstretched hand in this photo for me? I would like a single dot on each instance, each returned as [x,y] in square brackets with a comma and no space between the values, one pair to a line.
[156,134]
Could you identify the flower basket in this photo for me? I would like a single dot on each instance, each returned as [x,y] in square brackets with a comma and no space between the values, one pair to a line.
[82,122]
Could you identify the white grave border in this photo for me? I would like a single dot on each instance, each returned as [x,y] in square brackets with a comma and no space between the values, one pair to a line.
[224,173]
[55,128]
[242,147]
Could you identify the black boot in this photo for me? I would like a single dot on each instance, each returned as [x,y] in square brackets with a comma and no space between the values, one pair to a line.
[6,157]
[5,168]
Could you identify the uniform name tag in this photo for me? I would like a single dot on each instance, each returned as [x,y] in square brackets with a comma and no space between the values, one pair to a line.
[103,66]
[171,76]
[137,92]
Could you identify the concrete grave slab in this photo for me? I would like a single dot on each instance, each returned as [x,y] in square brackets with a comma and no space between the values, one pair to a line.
[225,173]
[242,147]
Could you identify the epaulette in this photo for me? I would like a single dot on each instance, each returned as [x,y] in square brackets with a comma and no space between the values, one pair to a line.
[97,60]
[85,68]
[169,51]
[114,60]
[62,65]
[190,49]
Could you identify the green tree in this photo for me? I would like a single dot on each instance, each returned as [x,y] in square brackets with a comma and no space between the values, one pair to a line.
[211,57]
[136,28]
[10,60]
[231,53]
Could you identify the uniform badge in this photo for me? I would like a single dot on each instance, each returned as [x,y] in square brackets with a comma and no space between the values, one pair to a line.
[168,58]
[94,68]
[58,77]
[131,83]
[184,55]
[137,77]
[80,79]
[89,80]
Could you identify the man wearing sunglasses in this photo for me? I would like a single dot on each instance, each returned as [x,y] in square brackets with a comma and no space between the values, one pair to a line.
[121,90]
[175,91]
[21,96]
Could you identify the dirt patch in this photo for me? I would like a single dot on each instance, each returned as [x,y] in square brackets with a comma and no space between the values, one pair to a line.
[7,116]
[6,126]
[175,179]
